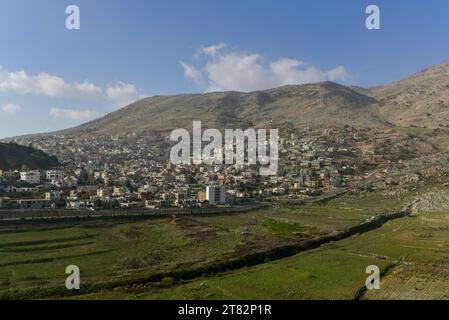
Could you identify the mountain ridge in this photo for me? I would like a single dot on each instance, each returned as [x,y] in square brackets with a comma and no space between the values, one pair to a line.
[420,100]
[308,104]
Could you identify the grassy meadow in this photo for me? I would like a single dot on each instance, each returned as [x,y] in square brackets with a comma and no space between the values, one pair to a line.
[135,258]
[416,249]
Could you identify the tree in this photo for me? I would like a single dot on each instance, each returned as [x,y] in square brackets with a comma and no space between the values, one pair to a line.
[98,203]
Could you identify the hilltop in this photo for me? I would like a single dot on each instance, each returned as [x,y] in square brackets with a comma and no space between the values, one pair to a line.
[320,104]
[421,100]
[415,109]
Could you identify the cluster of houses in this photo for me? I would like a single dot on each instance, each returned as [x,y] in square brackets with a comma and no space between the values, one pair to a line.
[111,172]
[33,192]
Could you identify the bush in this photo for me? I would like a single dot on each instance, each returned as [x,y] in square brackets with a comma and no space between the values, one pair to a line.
[167,281]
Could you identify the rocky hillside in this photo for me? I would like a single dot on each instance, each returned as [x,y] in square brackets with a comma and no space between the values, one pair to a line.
[417,106]
[421,100]
[323,104]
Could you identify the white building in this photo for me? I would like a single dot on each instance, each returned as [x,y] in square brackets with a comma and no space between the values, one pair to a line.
[54,195]
[32,177]
[54,175]
[216,194]
[118,192]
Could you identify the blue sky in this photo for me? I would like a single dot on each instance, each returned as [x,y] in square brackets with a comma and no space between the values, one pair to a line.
[52,78]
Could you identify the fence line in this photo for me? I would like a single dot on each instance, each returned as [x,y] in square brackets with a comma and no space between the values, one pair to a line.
[49,214]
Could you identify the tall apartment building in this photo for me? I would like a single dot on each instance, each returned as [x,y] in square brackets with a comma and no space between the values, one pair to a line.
[32,177]
[54,175]
[216,194]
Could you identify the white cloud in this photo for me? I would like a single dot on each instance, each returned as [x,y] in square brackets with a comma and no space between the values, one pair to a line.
[223,69]
[71,114]
[213,49]
[123,93]
[11,108]
[43,84]
[190,71]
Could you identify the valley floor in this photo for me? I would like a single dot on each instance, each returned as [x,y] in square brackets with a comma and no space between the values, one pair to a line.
[151,259]
[415,249]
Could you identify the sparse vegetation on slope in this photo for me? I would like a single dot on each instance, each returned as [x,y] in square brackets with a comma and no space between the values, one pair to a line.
[319,104]
[13,156]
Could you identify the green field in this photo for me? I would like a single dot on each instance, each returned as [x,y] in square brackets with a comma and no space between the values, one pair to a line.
[149,259]
[115,254]
[416,247]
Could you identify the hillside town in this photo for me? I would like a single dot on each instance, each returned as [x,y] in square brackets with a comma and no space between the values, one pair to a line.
[110,172]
